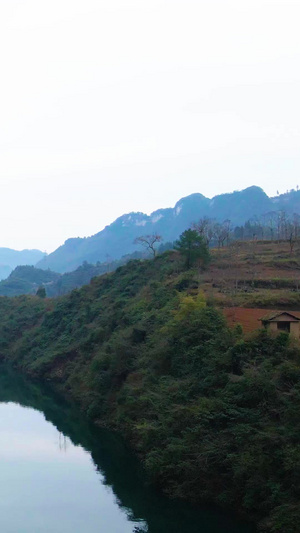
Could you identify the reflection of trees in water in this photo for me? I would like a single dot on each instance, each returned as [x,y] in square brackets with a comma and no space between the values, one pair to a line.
[120,470]
[63,442]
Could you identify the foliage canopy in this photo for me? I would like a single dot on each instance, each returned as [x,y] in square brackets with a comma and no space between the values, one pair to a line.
[213,415]
[193,248]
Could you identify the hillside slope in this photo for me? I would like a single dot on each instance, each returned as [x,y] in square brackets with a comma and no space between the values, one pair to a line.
[9,259]
[254,274]
[212,415]
[117,239]
[26,280]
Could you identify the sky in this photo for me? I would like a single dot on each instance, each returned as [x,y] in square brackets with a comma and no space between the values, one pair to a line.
[112,106]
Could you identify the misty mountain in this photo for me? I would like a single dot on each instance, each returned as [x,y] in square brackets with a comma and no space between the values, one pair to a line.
[5,270]
[26,280]
[9,259]
[117,239]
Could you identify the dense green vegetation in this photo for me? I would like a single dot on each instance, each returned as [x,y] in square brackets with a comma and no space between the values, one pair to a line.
[193,248]
[84,273]
[213,415]
[117,465]
[26,280]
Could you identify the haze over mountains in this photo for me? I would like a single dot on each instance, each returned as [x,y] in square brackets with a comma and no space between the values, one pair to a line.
[27,279]
[9,259]
[117,239]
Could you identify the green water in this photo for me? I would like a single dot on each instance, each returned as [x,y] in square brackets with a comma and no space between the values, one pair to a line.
[60,474]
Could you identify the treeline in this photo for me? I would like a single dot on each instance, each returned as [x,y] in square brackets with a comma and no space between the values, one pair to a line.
[212,415]
[276,225]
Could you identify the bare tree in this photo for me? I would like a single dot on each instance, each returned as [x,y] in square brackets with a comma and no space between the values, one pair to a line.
[292,228]
[282,232]
[227,229]
[271,219]
[296,222]
[291,236]
[149,241]
[221,234]
[235,248]
[205,227]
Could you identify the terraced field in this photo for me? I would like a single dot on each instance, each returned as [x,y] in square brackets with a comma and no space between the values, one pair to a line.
[258,274]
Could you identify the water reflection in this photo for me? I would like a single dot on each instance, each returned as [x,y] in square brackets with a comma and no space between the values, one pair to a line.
[68,449]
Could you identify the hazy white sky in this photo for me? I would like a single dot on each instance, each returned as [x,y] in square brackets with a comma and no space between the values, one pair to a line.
[110,106]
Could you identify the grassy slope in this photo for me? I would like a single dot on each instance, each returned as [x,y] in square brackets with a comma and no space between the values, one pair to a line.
[255,274]
[212,415]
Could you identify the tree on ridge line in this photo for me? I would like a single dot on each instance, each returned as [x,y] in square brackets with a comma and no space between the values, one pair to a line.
[149,241]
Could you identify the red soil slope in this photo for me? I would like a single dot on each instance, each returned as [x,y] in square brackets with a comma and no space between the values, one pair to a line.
[249,318]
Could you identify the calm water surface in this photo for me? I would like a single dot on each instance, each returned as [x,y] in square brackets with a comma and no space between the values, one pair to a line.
[59,474]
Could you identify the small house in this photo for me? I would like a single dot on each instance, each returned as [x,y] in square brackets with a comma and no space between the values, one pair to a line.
[282,321]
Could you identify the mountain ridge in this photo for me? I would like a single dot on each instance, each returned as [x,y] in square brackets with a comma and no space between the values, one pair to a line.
[117,238]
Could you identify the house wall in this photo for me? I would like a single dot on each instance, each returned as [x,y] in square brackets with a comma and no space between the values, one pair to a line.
[273,326]
[295,330]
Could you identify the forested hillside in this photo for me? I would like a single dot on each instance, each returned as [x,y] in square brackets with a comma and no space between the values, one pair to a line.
[248,273]
[27,279]
[213,415]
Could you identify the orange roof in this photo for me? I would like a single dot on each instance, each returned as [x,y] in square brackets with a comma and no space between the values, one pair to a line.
[250,319]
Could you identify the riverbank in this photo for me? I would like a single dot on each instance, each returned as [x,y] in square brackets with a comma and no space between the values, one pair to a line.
[93,479]
[214,416]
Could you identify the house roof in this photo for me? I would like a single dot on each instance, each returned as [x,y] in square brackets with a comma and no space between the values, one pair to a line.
[276,314]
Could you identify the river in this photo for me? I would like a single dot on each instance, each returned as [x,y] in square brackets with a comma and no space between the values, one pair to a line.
[61,474]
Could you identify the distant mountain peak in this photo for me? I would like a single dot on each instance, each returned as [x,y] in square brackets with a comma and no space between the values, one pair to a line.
[196,196]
